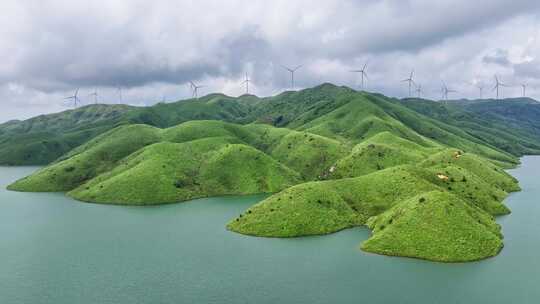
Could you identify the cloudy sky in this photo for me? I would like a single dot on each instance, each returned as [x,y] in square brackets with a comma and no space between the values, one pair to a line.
[151,49]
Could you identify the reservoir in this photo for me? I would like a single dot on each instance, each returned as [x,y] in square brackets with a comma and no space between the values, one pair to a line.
[57,250]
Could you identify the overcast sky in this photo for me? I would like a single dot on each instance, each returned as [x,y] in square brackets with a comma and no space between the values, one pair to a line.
[151,49]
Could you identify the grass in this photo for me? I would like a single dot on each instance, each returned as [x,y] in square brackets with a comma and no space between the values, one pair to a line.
[436,226]
[486,170]
[305,153]
[329,206]
[89,160]
[380,151]
[491,129]
[172,172]
[425,182]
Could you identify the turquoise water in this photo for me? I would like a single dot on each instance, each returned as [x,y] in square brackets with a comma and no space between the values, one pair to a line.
[56,250]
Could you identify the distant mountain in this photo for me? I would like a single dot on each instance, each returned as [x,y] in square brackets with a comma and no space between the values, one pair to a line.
[41,140]
[512,125]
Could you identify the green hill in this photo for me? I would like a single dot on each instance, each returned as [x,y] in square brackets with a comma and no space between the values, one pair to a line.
[436,226]
[41,140]
[381,151]
[496,129]
[362,197]
[334,158]
[218,157]
[509,124]
[172,172]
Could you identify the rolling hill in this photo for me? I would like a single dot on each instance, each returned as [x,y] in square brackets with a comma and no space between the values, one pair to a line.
[427,178]
[505,126]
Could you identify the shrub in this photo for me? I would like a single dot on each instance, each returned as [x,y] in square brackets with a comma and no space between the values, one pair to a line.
[179,184]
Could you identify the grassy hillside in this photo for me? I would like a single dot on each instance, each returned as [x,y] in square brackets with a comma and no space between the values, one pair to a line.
[509,124]
[172,172]
[193,159]
[381,151]
[436,226]
[411,170]
[488,128]
[328,206]
[466,190]
[43,139]
[294,212]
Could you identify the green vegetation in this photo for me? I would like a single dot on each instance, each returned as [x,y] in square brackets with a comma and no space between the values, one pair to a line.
[498,130]
[435,226]
[381,151]
[172,172]
[426,178]
[328,206]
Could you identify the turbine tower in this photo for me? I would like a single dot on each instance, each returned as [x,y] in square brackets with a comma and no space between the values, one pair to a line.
[419,90]
[75,98]
[246,82]
[363,74]
[195,89]
[95,94]
[410,81]
[291,70]
[524,88]
[497,85]
[445,90]
[480,88]
[119,90]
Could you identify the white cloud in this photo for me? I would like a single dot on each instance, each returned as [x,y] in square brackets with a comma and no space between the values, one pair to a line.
[151,48]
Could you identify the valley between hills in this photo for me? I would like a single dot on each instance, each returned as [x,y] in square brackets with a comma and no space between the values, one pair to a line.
[427,178]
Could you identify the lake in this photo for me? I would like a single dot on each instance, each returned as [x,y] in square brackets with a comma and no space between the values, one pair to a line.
[57,250]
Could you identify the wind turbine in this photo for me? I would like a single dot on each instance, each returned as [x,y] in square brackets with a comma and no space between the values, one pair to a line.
[119,90]
[95,94]
[75,97]
[524,87]
[480,86]
[410,81]
[419,90]
[445,90]
[291,70]
[363,74]
[246,82]
[497,85]
[195,88]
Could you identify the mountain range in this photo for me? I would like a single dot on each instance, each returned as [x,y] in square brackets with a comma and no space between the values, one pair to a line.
[426,177]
